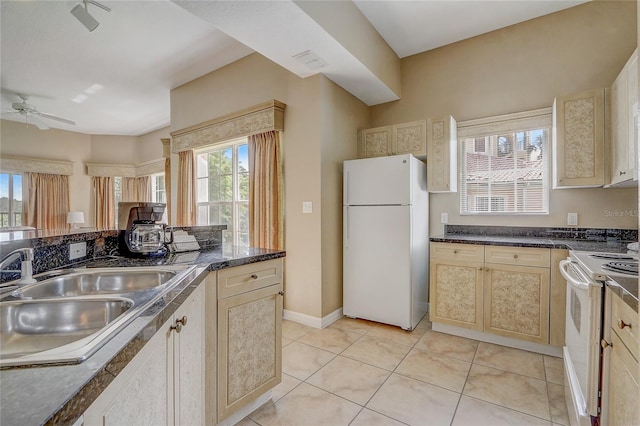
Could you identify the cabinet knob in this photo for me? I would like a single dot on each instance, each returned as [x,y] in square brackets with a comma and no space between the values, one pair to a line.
[515,256]
[254,276]
[605,344]
[455,252]
[622,324]
[181,322]
[480,268]
[622,173]
[281,292]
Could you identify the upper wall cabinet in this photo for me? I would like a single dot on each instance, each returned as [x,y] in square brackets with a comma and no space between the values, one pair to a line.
[407,138]
[624,120]
[442,160]
[432,139]
[578,140]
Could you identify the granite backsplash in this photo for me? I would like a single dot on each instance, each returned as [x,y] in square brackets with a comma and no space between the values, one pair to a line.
[586,234]
[53,252]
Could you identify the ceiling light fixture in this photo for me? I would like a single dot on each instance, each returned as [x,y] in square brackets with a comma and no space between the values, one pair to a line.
[82,14]
[310,59]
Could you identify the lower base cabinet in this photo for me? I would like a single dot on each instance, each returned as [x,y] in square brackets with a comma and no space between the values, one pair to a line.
[500,290]
[249,334]
[164,383]
[621,369]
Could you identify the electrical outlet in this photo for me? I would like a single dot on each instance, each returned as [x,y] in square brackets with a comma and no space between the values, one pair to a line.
[572,219]
[444,217]
[77,250]
[307,207]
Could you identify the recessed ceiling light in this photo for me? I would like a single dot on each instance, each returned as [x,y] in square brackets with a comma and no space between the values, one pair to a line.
[80,98]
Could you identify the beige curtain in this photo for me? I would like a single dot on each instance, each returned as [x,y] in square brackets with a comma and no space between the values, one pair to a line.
[104,202]
[136,189]
[47,201]
[266,228]
[186,197]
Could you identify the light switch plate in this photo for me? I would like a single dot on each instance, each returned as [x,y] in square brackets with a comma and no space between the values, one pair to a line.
[444,217]
[307,207]
[77,250]
[572,219]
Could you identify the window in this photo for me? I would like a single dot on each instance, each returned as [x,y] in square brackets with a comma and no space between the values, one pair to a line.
[223,190]
[504,164]
[10,200]
[158,191]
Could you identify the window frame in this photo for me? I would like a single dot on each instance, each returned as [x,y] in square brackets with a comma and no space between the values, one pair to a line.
[494,127]
[11,218]
[234,232]
[154,188]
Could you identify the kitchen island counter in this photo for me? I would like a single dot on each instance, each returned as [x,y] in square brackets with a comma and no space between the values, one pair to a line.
[60,394]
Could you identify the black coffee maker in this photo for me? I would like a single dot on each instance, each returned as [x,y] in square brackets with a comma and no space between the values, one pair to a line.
[143,232]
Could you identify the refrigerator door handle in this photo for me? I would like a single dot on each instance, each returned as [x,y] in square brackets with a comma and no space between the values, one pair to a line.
[346,195]
[346,227]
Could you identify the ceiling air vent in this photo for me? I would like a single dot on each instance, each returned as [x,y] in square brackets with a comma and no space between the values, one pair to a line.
[310,59]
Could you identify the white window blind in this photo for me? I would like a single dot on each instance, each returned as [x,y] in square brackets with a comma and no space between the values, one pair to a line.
[505,164]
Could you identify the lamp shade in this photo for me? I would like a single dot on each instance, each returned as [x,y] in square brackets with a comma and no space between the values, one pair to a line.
[75,217]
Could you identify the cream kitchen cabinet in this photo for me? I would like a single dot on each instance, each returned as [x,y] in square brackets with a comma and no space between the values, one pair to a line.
[442,155]
[406,138]
[249,334]
[164,383]
[621,371]
[578,140]
[492,289]
[455,284]
[516,298]
[624,120]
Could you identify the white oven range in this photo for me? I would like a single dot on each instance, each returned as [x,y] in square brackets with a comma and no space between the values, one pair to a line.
[586,273]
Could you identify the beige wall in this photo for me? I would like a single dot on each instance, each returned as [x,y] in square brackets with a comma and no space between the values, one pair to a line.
[321,122]
[16,139]
[515,69]
[342,114]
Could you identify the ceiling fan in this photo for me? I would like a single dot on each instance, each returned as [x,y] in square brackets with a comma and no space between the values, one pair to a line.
[32,115]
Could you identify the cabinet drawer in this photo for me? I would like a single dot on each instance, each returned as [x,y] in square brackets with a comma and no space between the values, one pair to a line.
[457,252]
[522,256]
[241,279]
[624,321]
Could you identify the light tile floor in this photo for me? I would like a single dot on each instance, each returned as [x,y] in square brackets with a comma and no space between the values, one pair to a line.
[362,373]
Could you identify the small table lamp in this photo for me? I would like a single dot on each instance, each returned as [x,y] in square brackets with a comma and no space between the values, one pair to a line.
[74,218]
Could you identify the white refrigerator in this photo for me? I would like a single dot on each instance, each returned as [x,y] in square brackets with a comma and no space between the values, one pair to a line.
[386,240]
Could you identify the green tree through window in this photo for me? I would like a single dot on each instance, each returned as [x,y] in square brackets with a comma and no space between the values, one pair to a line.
[223,190]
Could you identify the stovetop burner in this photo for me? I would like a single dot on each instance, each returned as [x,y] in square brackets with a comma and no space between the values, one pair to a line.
[612,256]
[630,268]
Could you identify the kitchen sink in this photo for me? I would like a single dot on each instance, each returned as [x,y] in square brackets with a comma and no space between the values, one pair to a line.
[96,282]
[71,313]
[30,327]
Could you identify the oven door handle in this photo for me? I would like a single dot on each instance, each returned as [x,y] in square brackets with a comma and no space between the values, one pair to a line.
[571,278]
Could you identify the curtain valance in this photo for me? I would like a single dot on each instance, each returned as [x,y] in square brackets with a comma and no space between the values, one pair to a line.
[126,170]
[35,165]
[257,119]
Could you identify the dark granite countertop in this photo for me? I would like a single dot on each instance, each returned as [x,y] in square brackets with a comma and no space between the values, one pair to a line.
[614,246]
[60,394]
[626,289]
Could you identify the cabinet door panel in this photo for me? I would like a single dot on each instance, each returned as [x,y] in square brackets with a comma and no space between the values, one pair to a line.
[376,142]
[456,293]
[516,302]
[578,140]
[249,347]
[410,138]
[624,389]
[189,362]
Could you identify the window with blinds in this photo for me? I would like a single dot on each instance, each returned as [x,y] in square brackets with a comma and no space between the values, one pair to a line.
[505,164]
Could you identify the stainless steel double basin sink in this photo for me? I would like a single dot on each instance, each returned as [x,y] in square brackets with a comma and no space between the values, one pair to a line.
[71,313]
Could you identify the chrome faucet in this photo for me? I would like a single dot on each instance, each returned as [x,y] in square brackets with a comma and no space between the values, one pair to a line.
[26,268]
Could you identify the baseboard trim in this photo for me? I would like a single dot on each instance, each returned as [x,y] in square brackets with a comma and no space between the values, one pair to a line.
[498,340]
[312,321]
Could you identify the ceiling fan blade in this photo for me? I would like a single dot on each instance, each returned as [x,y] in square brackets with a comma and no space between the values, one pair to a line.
[54,117]
[36,122]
